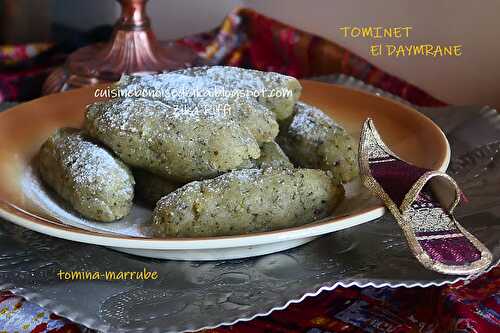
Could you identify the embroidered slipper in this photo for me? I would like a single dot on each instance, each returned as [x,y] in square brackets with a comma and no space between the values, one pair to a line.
[422,202]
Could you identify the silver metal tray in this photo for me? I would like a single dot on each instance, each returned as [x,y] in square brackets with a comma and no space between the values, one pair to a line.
[194,295]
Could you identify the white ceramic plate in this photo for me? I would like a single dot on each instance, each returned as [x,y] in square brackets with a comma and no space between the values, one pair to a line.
[26,202]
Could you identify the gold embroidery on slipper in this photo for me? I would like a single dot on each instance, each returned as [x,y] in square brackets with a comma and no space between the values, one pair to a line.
[420,238]
[382,161]
[429,219]
[434,178]
[372,146]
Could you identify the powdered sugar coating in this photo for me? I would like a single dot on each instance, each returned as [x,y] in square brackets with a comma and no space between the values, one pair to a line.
[311,123]
[179,144]
[95,183]
[313,140]
[203,93]
[268,83]
[246,201]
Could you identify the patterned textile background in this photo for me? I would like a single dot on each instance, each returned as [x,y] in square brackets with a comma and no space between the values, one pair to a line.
[250,40]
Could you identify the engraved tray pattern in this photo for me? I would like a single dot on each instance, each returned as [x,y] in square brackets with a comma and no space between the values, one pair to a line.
[194,295]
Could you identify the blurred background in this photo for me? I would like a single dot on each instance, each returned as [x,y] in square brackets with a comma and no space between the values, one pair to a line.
[472,78]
